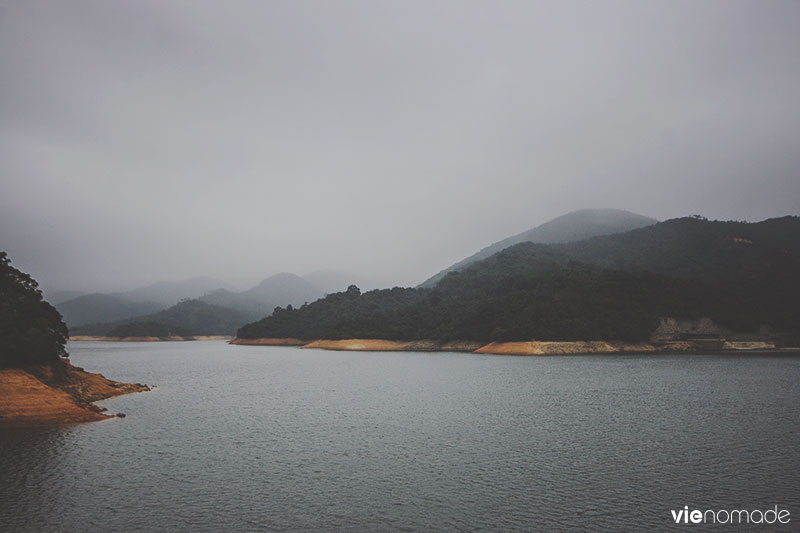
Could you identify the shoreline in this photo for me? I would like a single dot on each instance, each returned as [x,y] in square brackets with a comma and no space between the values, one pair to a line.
[522,348]
[58,394]
[175,338]
[270,341]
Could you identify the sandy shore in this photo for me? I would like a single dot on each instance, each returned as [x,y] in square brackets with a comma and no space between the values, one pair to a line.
[93,338]
[572,347]
[55,394]
[499,348]
[504,348]
[382,345]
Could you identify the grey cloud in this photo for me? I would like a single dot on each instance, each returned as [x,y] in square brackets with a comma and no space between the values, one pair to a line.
[155,140]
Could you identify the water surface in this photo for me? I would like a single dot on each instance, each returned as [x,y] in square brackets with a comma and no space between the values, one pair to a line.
[251,438]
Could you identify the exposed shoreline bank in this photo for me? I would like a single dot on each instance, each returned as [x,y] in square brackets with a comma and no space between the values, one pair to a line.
[47,395]
[514,348]
[175,338]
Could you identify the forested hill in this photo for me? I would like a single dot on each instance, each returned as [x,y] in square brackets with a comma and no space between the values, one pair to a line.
[687,248]
[574,226]
[742,275]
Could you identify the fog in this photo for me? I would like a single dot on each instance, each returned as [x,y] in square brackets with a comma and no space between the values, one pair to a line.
[151,140]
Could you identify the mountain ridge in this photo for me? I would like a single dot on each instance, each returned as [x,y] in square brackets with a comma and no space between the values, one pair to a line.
[573,226]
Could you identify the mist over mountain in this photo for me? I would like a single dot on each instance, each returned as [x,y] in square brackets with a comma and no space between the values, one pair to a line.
[98,307]
[573,226]
[168,293]
[278,290]
[687,248]
[186,318]
[56,297]
[745,276]
[217,312]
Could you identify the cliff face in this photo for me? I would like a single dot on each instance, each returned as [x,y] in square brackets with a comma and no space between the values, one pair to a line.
[46,395]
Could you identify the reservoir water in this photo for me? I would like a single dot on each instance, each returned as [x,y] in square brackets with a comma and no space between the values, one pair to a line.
[239,438]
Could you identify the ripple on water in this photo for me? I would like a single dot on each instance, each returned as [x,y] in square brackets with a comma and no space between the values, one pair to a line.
[242,438]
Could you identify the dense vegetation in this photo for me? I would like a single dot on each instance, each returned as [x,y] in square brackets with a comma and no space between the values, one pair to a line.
[614,287]
[186,318]
[31,330]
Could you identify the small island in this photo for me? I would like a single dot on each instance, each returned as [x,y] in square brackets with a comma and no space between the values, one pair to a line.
[38,384]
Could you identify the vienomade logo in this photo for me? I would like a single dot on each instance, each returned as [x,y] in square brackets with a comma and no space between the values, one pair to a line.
[734,516]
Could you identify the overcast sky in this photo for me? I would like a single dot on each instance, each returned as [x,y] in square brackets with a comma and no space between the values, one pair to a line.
[161,139]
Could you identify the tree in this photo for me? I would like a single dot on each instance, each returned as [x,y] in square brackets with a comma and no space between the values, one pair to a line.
[353,290]
[31,330]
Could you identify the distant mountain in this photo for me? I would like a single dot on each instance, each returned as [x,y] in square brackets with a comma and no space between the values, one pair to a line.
[685,248]
[186,318]
[279,290]
[217,312]
[574,226]
[99,307]
[56,297]
[744,276]
[169,293]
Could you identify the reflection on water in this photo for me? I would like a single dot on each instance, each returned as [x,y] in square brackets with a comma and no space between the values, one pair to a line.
[251,438]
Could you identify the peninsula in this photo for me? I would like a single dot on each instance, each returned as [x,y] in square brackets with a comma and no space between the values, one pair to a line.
[38,384]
